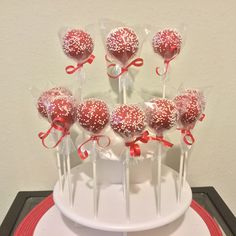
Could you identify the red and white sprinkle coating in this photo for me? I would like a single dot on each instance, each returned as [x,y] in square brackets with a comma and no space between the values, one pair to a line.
[190,104]
[78,44]
[62,107]
[122,44]
[199,95]
[162,114]
[127,120]
[167,43]
[93,115]
[45,97]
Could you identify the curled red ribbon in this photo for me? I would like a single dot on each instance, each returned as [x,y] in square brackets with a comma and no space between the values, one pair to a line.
[135,150]
[84,154]
[188,137]
[136,62]
[202,117]
[72,69]
[58,124]
[162,140]
[166,62]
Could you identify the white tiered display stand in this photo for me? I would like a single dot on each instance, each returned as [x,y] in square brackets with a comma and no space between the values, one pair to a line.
[111,204]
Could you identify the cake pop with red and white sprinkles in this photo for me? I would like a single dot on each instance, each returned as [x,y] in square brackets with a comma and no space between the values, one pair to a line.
[78,45]
[122,44]
[93,115]
[162,114]
[62,107]
[44,99]
[198,95]
[190,108]
[167,43]
[127,120]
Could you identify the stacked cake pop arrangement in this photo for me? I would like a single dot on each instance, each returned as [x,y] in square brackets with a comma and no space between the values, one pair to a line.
[128,205]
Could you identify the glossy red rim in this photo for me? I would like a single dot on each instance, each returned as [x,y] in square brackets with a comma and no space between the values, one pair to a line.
[29,223]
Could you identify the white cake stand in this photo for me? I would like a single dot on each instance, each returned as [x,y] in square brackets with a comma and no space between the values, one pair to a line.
[53,223]
[111,212]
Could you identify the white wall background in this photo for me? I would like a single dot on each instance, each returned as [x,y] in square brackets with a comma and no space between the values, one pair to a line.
[30,55]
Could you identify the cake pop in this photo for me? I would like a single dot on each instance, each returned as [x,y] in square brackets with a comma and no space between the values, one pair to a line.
[190,106]
[93,115]
[162,114]
[128,120]
[62,107]
[167,43]
[122,44]
[43,100]
[78,45]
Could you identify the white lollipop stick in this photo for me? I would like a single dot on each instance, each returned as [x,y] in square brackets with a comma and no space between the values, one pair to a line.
[159,178]
[81,78]
[180,176]
[122,89]
[154,176]
[95,185]
[69,184]
[164,87]
[186,159]
[64,168]
[59,169]
[127,183]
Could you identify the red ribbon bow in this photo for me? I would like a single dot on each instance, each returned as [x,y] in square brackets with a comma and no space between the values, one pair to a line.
[162,140]
[135,150]
[72,69]
[187,136]
[84,155]
[58,124]
[137,62]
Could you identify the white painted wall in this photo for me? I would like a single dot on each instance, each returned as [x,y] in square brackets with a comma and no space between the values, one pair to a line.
[30,55]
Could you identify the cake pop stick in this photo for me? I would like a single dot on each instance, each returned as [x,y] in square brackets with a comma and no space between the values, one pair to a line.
[162,115]
[68,171]
[122,45]
[167,43]
[186,160]
[122,84]
[57,106]
[93,115]
[128,122]
[64,169]
[159,158]
[127,183]
[59,169]
[95,184]
[180,175]
[191,104]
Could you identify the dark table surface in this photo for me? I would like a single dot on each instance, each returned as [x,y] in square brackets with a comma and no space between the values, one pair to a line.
[205,196]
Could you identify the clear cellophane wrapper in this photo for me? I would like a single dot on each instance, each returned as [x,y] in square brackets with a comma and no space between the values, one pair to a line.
[191,103]
[124,136]
[44,100]
[84,141]
[118,60]
[161,121]
[165,54]
[80,58]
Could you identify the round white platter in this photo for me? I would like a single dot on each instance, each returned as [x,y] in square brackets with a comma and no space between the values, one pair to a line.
[111,212]
[53,223]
